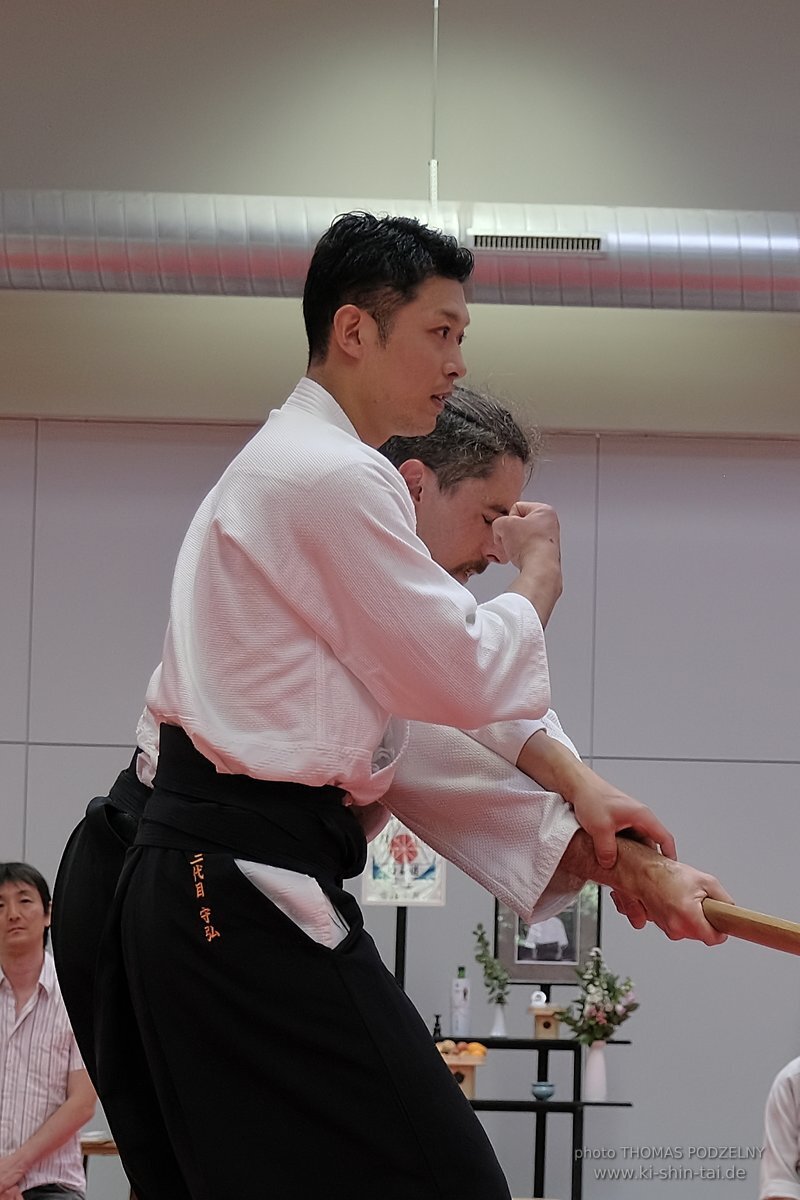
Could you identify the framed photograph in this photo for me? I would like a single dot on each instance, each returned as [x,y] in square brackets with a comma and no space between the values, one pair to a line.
[550,950]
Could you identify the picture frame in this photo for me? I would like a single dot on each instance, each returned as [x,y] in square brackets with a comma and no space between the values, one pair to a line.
[548,952]
[401,870]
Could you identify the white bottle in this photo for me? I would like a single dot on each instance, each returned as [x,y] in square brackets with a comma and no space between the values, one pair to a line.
[459,1005]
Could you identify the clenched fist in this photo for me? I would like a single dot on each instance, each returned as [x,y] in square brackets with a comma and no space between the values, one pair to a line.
[530,538]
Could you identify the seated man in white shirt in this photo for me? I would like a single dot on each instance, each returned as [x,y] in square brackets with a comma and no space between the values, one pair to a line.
[45,1093]
[780,1162]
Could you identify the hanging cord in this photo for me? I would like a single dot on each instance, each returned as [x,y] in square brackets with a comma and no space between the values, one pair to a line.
[433,163]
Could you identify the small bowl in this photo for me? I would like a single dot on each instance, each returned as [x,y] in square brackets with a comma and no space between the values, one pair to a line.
[542,1090]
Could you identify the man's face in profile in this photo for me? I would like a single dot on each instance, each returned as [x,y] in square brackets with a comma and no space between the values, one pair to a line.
[409,373]
[456,524]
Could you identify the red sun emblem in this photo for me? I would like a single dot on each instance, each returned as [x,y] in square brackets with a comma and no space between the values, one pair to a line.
[403,848]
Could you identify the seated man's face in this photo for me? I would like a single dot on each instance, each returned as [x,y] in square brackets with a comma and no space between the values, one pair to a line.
[23,919]
[456,524]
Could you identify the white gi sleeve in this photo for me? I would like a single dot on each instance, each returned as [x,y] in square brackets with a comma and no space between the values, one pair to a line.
[486,817]
[781,1158]
[366,584]
[507,738]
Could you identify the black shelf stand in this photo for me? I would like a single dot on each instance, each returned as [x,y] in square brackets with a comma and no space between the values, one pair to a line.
[543,1108]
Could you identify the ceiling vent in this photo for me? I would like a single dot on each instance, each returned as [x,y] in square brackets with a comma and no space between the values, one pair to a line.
[537,243]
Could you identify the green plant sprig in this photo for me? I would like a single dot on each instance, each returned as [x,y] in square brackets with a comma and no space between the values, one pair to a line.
[495,977]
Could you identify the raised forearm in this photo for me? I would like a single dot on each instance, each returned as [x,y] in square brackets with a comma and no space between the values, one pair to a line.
[539,582]
[552,765]
[531,539]
[600,808]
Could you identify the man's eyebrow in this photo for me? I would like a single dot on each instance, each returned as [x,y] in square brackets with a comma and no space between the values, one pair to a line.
[456,317]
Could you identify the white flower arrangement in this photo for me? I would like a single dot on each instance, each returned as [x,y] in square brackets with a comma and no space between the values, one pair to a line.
[604,1003]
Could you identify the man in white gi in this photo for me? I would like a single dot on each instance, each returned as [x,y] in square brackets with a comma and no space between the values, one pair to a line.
[522,843]
[237,1051]
[780,1162]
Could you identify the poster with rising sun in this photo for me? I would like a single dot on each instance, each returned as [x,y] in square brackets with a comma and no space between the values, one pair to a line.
[401,869]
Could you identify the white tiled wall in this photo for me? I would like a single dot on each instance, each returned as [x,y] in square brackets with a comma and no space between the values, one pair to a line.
[675,666]
[698,598]
[12,799]
[17,468]
[112,504]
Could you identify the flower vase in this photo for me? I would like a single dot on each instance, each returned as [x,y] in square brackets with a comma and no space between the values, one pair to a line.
[594,1079]
[499,1027]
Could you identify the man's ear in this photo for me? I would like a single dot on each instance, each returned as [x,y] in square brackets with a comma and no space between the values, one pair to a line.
[47,916]
[347,329]
[413,471]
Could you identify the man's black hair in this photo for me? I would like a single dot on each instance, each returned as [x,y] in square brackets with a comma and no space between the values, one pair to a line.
[376,263]
[19,872]
[472,432]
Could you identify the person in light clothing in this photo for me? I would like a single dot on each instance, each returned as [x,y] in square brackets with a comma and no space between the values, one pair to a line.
[243,1013]
[548,939]
[512,804]
[482,812]
[45,1093]
[308,624]
[780,1162]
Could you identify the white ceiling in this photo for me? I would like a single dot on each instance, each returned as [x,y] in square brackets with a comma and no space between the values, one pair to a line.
[693,103]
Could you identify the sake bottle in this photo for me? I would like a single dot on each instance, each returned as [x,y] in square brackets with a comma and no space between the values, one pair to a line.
[459,1005]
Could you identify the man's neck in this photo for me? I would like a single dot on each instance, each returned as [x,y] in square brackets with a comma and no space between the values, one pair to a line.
[340,385]
[23,970]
